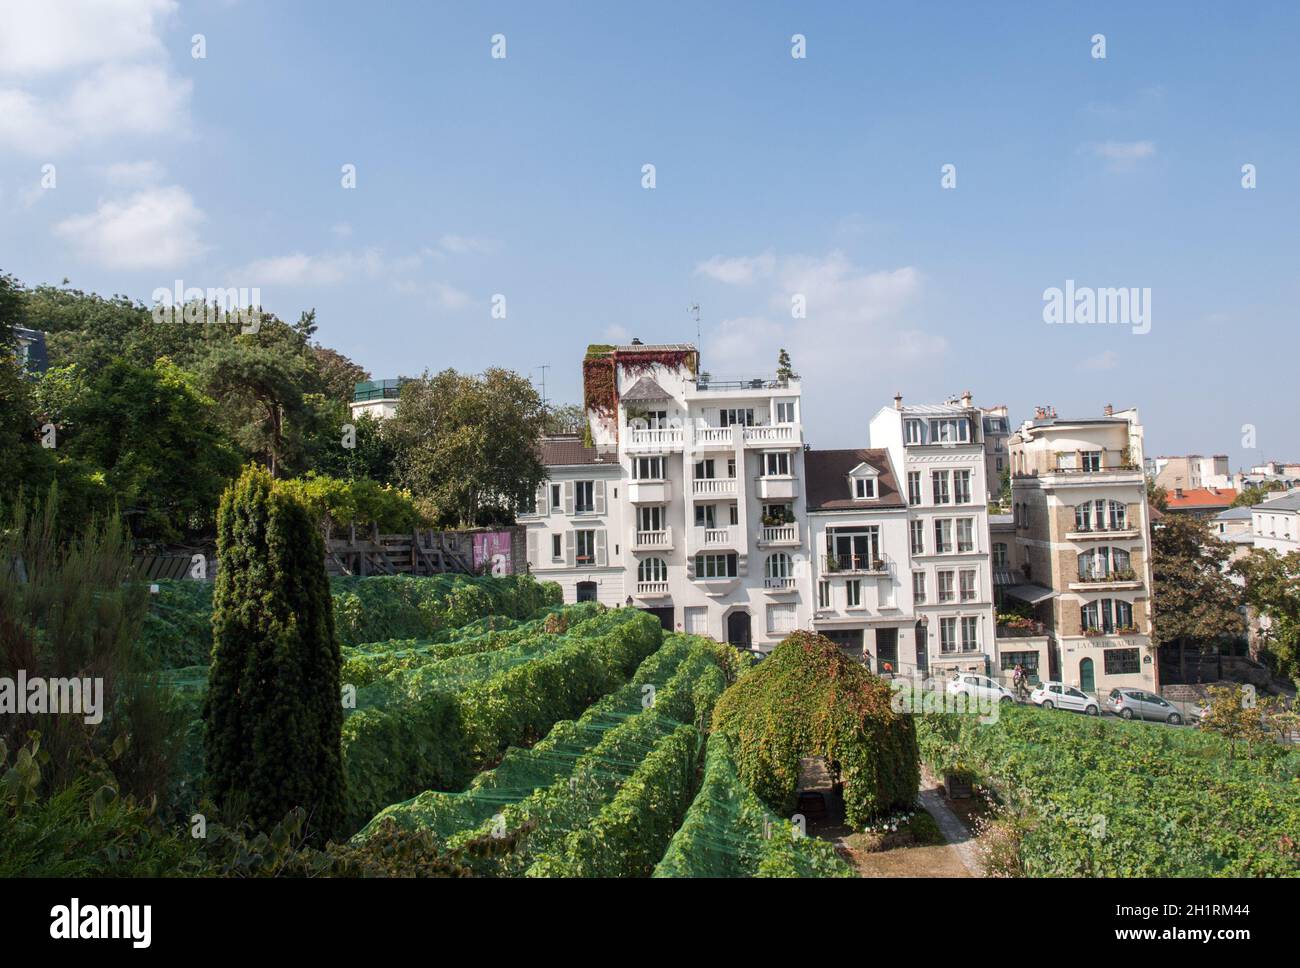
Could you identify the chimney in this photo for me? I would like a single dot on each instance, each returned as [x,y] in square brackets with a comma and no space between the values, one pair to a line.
[965,398]
[898,401]
[1108,410]
[1040,413]
[636,341]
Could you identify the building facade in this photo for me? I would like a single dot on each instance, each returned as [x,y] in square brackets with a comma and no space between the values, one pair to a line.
[997,428]
[861,574]
[939,453]
[703,513]
[1190,473]
[1276,523]
[1083,525]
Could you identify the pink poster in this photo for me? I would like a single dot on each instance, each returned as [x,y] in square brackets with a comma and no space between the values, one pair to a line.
[492,552]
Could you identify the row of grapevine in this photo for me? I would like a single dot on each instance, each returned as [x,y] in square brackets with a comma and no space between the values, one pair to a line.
[729,832]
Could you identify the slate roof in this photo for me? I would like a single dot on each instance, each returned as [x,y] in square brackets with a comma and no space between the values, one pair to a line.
[826,475]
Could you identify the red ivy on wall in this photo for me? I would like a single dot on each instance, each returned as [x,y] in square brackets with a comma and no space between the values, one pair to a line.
[599,379]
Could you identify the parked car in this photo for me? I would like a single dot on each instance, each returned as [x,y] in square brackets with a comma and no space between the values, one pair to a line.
[1057,695]
[980,688]
[1140,704]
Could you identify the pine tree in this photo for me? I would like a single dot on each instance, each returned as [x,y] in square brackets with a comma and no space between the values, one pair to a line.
[273,713]
[784,371]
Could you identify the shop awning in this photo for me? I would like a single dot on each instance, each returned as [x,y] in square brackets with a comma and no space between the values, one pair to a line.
[1033,594]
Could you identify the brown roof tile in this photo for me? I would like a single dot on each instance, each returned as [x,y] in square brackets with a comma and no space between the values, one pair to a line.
[826,475]
[566,450]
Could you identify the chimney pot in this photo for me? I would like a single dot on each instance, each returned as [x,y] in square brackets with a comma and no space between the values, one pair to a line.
[965,398]
[898,401]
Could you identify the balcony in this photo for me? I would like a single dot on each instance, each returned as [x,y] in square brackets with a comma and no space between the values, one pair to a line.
[653,540]
[664,440]
[714,438]
[858,564]
[777,586]
[714,487]
[649,492]
[725,538]
[778,536]
[1100,534]
[777,488]
[651,589]
[775,434]
[1106,583]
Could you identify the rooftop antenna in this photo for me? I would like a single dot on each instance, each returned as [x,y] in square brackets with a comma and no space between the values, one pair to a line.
[544,367]
[694,310]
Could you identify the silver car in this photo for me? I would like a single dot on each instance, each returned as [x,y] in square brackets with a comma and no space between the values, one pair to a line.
[1139,704]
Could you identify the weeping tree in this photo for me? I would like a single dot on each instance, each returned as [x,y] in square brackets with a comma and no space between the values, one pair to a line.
[273,714]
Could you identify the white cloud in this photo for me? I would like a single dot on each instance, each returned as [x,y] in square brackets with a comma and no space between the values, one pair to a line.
[133,173]
[86,70]
[1107,360]
[1123,154]
[55,35]
[460,244]
[855,332]
[299,269]
[737,271]
[153,229]
[341,229]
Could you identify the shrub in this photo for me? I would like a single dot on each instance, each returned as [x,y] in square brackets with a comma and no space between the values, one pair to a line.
[273,711]
[808,699]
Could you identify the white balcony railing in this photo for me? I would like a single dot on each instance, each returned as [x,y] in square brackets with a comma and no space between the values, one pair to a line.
[779,584]
[774,434]
[714,487]
[653,540]
[782,534]
[727,536]
[661,439]
[713,435]
[646,588]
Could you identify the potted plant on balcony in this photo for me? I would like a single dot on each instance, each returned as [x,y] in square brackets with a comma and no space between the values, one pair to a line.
[878,564]
[832,563]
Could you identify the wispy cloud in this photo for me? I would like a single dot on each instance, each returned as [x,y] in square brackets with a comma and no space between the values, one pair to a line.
[1122,154]
[1106,360]
[739,270]
[157,228]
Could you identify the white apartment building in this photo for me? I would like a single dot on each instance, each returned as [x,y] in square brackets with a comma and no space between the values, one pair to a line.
[697,498]
[861,574]
[939,451]
[1083,526]
[997,428]
[1276,523]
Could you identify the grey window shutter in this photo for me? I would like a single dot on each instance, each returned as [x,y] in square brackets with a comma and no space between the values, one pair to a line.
[568,497]
[568,548]
[600,547]
[532,548]
[543,491]
[599,488]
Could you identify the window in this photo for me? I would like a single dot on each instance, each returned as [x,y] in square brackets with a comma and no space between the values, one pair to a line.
[1026,660]
[777,567]
[965,534]
[705,516]
[918,586]
[1120,561]
[945,587]
[864,488]
[650,519]
[1108,615]
[557,547]
[1119,662]
[939,486]
[917,529]
[1083,517]
[854,590]
[584,496]
[961,487]
[785,411]
[1091,460]
[652,569]
[776,464]
[731,467]
[913,487]
[704,470]
[823,594]
[999,554]
[968,585]
[1118,516]
[783,513]
[745,417]
[1066,462]
[734,514]
[715,566]
[780,617]
[948,634]
[557,497]
[585,547]
[913,432]
[970,637]
[942,536]
[854,547]
[648,469]
[657,419]
[951,430]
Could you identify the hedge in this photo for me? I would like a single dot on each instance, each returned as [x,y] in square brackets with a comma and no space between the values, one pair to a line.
[1105,798]
[728,832]
[808,699]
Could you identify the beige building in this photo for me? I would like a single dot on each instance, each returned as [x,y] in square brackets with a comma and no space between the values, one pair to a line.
[1192,472]
[1082,524]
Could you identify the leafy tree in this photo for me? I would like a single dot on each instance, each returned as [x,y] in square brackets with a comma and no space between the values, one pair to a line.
[1157,496]
[338,375]
[568,418]
[1273,590]
[150,435]
[468,444]
[273,714]
[373,456]
[784,371]
[12,310]
[264,388]
[1193,598]
[1253,494]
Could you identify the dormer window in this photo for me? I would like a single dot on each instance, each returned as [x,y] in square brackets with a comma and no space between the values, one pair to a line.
[862,482]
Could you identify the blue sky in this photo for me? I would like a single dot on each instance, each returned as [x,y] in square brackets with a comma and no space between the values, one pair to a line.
[775,176]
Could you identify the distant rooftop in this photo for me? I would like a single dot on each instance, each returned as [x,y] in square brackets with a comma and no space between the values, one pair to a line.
[568,450]
[368,390]
[1289,503]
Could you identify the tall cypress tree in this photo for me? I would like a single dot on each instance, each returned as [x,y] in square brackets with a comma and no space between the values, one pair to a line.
[273,713]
